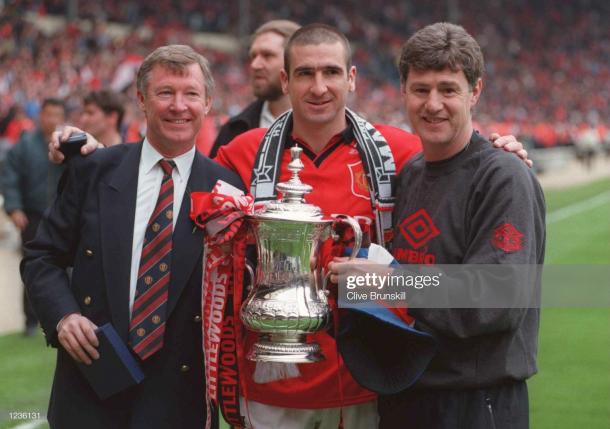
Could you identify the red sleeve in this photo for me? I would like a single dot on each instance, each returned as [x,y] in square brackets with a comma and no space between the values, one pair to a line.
[403,144]
[239,155]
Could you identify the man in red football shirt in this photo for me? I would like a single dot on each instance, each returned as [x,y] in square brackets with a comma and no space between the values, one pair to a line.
[318,77]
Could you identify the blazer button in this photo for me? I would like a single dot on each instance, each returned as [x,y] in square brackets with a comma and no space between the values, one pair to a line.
[87,300]
[197,318]
[89,253]
[185,368]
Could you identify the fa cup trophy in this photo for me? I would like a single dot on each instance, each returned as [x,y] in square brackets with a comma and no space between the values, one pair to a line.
[288,299]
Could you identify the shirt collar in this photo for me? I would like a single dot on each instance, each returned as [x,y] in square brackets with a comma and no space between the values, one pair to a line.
[150,157]
[266,118]
[345,136]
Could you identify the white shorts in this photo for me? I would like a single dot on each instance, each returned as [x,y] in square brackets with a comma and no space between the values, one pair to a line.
[262,416]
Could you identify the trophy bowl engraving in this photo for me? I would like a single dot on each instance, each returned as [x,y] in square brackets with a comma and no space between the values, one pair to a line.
[287,314]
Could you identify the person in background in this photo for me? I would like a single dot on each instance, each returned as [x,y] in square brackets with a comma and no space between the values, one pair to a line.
[25,181]
[266,60]
[102,116]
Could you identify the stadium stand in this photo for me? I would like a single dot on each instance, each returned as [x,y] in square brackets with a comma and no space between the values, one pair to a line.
[547,62]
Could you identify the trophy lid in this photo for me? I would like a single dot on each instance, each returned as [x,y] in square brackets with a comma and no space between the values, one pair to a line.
[292,205]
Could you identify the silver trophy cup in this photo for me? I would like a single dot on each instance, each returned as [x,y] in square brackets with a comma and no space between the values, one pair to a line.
[288,296]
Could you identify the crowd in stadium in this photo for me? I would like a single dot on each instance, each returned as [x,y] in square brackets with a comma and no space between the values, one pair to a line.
[547,62]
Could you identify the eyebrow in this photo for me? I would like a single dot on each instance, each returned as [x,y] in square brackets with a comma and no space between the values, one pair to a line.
[173,88]
[262,51]
[324,67]
[442,83]
[448,83]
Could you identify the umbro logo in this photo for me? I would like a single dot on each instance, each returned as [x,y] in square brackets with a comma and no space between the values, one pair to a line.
[418,229]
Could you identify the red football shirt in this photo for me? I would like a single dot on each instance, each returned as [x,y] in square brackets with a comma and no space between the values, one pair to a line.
[339,187]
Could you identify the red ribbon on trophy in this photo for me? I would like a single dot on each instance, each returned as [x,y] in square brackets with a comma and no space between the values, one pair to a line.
[221,213]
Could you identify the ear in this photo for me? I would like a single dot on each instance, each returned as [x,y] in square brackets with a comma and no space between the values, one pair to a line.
[141,101]
[403,88]
[207,105]
[284,81]
[351,78]
[114,116]
[476,92]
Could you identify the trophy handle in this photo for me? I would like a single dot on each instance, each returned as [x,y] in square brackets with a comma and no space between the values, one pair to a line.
[251,273]
[357,243]
[357,232]
[325,290]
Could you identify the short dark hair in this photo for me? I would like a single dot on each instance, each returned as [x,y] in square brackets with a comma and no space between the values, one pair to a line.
[108,101]
[175,58]
[440,46]
[316,34]
[51,101]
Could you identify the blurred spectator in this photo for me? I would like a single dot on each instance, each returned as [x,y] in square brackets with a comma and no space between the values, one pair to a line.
[266,60]
[588,142]
[102,116]
[15,124]
[25,182]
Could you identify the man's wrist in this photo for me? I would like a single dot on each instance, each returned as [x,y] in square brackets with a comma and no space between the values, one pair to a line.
[62,319]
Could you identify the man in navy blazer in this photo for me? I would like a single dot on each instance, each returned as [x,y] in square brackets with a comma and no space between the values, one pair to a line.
[97,225]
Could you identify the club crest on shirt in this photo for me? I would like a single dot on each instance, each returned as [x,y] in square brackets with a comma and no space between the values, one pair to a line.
[360,186]
[507,238]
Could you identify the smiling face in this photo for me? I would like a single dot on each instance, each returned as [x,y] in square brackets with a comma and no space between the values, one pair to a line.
[439,106]
[175,104]
[266,61]
[318,84]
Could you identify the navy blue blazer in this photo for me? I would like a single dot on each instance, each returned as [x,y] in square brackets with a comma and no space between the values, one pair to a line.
[90,227]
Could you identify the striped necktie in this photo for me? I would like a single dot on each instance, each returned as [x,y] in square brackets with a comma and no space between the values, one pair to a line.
[149,311]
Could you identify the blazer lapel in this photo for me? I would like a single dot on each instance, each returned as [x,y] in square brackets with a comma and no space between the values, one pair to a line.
[187,249]
[117,201]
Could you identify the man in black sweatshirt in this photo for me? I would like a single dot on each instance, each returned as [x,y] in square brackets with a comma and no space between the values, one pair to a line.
[462,202]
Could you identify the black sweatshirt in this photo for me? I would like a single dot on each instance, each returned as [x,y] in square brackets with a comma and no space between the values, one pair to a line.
[481,206]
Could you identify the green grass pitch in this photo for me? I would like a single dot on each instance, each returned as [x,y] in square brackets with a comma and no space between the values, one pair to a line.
[572,388]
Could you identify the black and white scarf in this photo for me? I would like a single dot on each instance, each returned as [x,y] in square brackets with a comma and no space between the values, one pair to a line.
[376,157]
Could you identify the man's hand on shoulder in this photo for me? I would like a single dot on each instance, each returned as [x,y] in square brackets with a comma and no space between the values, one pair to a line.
[510,144]
[55,155]
[76,334]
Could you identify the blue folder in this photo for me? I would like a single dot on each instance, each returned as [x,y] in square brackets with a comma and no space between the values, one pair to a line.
[116,369]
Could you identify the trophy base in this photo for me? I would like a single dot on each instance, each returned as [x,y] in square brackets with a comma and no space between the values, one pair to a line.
[293,352]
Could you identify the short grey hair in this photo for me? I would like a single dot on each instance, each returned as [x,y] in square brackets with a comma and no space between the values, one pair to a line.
[175,58]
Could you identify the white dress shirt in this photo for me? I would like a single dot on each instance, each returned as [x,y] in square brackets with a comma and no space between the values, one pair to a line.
[267,117]
[150,176]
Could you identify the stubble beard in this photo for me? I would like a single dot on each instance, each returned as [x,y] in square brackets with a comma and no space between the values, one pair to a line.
[270,92]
